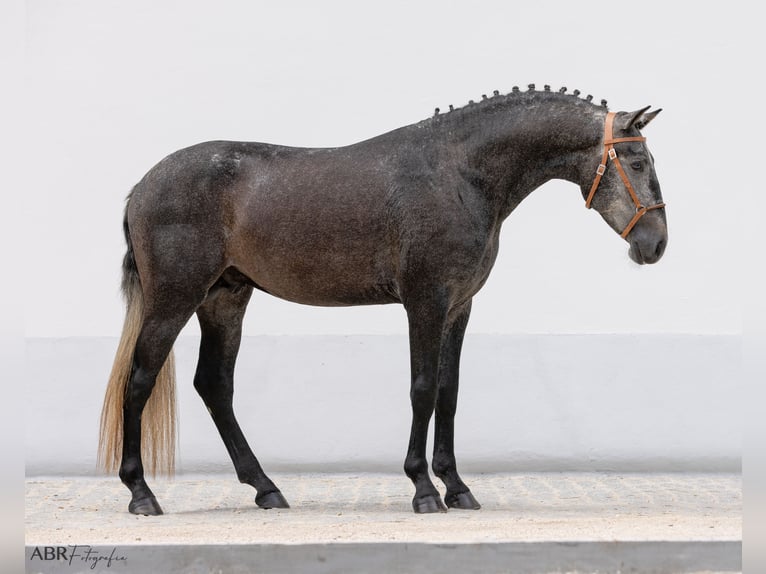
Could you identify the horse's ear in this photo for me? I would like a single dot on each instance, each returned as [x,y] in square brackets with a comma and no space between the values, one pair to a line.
[639,119]
[646,118]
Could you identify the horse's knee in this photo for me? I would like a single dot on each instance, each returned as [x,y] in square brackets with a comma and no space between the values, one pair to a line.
[423,394]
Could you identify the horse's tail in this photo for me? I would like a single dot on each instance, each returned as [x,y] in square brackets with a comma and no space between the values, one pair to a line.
[158,421]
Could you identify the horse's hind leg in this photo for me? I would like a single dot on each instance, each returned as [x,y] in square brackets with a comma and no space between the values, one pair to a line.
[154,343]
[220,319]
[444,465]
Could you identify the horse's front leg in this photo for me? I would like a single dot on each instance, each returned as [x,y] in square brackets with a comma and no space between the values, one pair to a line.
[426,320]
[444,465]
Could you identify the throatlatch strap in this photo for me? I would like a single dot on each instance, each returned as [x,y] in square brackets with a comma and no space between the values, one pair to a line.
[611,154]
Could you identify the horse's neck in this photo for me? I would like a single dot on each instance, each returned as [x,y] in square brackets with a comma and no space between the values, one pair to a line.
[511,152]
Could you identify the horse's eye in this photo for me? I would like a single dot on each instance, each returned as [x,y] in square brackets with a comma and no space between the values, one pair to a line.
[636,165]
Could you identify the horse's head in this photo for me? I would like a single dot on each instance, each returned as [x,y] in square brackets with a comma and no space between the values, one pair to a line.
[625,190]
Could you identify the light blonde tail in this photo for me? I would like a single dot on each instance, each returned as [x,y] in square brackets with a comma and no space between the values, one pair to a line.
[158,421]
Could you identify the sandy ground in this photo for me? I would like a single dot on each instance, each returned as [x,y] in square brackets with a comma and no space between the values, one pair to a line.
[332,508]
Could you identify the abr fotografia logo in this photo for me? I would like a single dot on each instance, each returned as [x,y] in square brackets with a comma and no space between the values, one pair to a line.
[78,555]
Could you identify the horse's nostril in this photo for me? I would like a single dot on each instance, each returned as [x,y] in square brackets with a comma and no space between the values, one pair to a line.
[660,248]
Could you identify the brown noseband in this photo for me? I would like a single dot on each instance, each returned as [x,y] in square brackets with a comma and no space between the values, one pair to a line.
[611,153]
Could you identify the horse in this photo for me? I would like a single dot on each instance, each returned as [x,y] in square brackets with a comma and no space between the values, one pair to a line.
[412,216]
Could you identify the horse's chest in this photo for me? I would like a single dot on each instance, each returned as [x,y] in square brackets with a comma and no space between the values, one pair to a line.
[480,265]
[461,262]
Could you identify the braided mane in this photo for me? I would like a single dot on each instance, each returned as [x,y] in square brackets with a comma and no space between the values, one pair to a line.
[499,99]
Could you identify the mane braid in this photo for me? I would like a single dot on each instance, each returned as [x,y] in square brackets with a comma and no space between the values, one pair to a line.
[497,99]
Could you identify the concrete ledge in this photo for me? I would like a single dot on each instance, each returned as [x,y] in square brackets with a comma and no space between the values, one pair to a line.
[518,557]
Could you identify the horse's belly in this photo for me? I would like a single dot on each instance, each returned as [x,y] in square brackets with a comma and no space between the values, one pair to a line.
[315,269]
[324,286]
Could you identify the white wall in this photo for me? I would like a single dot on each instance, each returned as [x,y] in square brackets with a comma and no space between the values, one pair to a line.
[112,87]
[544,402]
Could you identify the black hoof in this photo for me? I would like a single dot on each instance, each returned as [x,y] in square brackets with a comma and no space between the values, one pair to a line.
[273,499]
[462,500]
[428,504]
[145,506]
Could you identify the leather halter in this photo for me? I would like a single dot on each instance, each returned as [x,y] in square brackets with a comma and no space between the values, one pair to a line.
[611,154]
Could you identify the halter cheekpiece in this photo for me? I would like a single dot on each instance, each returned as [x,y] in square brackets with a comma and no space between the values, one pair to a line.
[611,154]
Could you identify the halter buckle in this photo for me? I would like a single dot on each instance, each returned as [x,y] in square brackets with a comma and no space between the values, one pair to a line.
[612,154]
[601,169]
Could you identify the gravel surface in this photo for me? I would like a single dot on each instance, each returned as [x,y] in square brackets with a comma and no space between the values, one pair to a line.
[368,507]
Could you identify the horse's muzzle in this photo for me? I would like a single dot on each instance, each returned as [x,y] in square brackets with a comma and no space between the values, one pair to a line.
[647,247]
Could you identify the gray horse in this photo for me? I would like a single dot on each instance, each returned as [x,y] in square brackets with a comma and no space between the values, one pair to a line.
[412,216]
